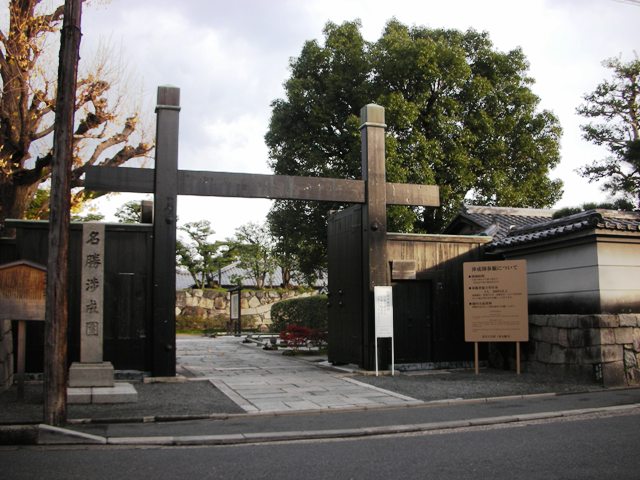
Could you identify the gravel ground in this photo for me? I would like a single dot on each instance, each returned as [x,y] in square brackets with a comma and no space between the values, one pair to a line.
[166,399]
[443,385]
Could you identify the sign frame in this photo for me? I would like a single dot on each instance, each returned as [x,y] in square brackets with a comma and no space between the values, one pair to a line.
[235,311]
[496,303]
[383,309]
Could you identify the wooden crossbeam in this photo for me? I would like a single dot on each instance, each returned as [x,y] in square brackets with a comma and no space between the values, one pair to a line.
[249,185]
[166,182]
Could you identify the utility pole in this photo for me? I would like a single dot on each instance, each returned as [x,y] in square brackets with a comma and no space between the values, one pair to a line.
[56,324]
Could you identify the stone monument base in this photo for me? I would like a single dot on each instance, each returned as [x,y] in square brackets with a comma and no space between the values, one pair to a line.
[120,392]
[91,374]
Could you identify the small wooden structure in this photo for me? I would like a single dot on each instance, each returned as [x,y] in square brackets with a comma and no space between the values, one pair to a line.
[22,298]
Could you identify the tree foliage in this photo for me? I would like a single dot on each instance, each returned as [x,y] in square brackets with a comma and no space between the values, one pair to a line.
[27,108]
[620,204]
[202,258]
[252,246]
[460,114]
[614,110]
[129,212]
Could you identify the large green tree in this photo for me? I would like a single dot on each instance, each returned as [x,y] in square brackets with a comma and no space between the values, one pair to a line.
[460,114]
[105,133]
[613,109]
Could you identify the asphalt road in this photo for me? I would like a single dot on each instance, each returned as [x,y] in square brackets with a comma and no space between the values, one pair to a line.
[601,447]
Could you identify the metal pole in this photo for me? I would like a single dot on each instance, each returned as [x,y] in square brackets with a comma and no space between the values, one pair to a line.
[475,358]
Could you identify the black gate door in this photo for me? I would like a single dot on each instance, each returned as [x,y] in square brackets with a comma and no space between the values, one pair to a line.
[412,325]
[345,286]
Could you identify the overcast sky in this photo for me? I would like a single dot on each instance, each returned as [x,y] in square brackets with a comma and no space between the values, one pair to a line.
[230,60]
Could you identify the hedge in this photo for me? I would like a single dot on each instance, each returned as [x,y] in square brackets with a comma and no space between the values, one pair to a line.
[310,312]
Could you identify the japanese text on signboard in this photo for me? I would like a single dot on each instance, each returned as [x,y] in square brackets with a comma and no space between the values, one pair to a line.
[495,301]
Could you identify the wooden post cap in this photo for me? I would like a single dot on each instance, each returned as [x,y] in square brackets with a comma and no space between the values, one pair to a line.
[168,97]
[372,115]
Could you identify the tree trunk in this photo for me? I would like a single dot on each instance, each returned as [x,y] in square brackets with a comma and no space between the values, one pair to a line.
[14,201]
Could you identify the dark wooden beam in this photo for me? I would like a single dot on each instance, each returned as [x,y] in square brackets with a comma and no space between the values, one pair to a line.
[248,185]
[409,194]
[164,232]
[119,179]
[374,222]
[221,184]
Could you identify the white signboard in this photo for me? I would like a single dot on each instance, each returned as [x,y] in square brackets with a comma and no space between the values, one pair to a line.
[383,301]
[383,308]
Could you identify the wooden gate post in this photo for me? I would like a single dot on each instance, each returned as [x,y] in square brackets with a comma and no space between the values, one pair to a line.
[374,219]
[164,232]
[167,182]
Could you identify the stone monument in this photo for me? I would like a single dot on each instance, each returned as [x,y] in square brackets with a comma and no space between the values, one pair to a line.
[92,379]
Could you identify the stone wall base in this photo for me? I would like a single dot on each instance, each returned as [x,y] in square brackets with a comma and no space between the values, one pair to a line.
[603,347]
[255,304]
[6,355]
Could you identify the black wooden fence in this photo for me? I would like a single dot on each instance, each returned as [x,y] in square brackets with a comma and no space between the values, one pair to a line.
[128,329]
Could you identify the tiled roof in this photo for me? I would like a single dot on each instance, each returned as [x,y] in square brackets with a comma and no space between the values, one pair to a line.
[496,221]
[611,220]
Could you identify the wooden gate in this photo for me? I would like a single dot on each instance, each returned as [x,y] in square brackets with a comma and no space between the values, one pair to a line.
[412,321]
[166,182]
[345,287]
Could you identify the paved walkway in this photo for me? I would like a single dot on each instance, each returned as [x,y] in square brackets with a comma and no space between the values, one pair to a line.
[267,381]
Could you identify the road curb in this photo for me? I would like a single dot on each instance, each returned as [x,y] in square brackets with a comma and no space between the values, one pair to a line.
[271,437]
[226,416]
[48,435]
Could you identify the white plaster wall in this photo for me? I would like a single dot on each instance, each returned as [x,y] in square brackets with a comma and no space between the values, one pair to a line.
[619,275]
[563,271]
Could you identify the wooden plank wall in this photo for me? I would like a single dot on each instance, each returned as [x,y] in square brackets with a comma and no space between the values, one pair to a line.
[439,258]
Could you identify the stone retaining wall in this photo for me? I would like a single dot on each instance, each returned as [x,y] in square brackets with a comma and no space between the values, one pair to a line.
[6,355]
[213,303]
[605,346]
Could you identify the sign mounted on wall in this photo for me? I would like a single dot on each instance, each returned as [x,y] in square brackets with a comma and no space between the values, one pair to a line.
[383,306]
[495,303]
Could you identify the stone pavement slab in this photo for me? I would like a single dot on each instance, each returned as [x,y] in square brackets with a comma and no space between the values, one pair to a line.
[267,381]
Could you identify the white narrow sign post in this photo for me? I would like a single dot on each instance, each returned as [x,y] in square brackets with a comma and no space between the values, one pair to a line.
[383,305]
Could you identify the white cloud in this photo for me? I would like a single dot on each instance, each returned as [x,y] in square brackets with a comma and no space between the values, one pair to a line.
[230,60]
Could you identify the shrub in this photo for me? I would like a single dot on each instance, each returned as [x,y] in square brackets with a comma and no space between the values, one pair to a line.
[296,336]
[309,312]
[217,323]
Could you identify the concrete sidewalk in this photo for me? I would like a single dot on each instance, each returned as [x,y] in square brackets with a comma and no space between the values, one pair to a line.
[233,392]
[267,381]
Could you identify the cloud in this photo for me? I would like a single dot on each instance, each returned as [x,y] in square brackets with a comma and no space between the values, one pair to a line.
[230,60]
